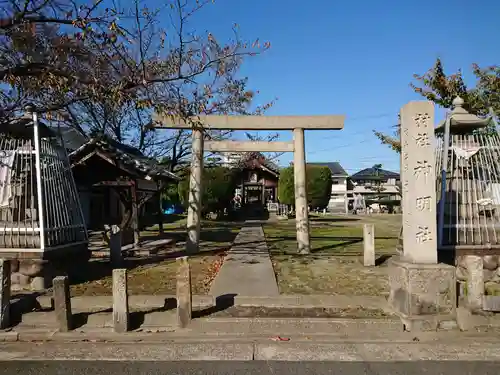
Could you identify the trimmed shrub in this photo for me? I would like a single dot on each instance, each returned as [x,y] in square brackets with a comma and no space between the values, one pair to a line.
[319,186]
[218,186]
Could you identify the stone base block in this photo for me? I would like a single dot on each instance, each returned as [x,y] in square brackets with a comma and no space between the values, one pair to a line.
[37,274]
[420,323]
[422,295]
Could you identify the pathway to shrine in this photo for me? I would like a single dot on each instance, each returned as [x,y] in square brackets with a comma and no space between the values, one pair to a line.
[247,269]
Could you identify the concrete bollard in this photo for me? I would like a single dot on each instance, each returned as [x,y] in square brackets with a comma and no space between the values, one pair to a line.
[115,246]
[4,293]
[475,282]
[62,303]
[368,245]
[120,301]
[184,296]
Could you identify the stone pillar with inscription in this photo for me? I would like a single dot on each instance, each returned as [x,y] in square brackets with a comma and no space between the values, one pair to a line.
[418,183]
[422,292]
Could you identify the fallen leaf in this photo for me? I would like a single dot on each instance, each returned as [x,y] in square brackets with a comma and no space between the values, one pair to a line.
[279,338]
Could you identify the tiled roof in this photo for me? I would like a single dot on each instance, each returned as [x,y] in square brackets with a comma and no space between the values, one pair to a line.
[128,155]
[370,172]
[335,167]
[72,138]
[249,156]
[23,126]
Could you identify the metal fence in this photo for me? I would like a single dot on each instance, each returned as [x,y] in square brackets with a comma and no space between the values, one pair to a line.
[39,204]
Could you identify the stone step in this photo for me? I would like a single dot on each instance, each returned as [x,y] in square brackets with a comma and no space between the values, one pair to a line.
[167,321]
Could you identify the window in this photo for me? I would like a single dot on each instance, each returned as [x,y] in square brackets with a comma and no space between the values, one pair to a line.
[335,182]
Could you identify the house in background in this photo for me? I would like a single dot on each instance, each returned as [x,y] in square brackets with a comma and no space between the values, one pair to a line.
[338,199]
[372,182]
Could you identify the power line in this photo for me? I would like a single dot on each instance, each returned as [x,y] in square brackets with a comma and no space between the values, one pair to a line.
[388,127]
[333,148]
[369,117]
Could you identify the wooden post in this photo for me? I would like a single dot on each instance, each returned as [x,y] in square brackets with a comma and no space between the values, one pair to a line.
[120,301]
[5,268]
[135,214]
[184,296]
[368,245]
[62,303]
[115,246]
[160,212]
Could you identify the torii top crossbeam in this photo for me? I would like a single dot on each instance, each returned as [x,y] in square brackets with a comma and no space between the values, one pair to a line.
[245,122]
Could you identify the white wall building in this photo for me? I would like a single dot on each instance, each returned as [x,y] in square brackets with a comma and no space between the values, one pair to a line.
[229,159]
[366,183]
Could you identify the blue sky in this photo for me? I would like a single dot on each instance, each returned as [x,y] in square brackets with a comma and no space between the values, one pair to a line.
[355,58]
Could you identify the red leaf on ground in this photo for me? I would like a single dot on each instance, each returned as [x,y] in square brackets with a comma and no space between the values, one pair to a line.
[279,338]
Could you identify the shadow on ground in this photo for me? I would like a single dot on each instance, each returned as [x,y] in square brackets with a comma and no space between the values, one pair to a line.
[224,307]
[332,220]
[340,242]
[97,269]
[28,303]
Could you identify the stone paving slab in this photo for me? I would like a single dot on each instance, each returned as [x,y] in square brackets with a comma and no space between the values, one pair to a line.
[313,301]
[245,326]
[101,351]
[256,330]
[189,336]
[306,352]
[247,268]
[244,351]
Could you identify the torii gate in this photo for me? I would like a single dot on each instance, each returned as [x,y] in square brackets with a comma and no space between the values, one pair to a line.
[220,122]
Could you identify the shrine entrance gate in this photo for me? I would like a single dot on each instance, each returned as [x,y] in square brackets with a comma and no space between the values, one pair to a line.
[296,123]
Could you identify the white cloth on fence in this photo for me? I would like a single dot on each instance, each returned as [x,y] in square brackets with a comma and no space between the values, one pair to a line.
[6,163]
[465,152]
[493,194]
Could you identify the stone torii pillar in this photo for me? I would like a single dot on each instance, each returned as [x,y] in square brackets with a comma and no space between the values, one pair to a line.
[300,182]
[195,192]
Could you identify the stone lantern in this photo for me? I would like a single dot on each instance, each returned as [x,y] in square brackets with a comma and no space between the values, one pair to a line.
[468,193]
[41,221]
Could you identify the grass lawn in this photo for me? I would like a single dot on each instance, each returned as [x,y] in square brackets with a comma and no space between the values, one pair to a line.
[335,263]
[156,274]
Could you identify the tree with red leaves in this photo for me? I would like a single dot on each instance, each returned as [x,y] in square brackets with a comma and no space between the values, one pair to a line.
[103,69]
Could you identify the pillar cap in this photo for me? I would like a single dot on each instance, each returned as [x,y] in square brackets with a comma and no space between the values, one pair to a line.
[458,102]
[461,121]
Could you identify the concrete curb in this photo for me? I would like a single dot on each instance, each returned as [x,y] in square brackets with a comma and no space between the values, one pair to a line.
[306,332]
[179,338]
[247,351]
[161,322]
[9,336]
[312,301]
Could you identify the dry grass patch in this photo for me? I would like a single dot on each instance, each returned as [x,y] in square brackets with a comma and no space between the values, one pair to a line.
[155,279]
[335,264]
[154,275]
[335,275]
